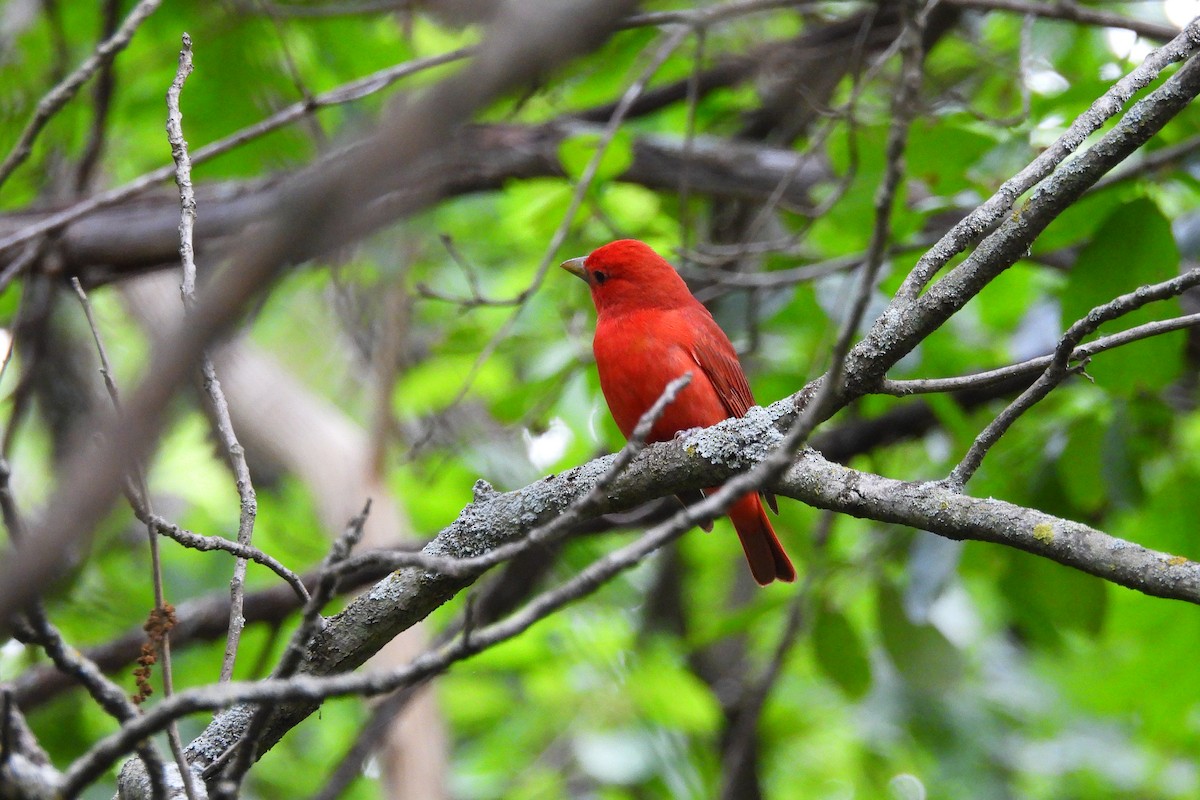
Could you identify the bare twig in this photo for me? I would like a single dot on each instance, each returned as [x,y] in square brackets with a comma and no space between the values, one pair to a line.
[986,216]
[1073,12]
[49,105]
[110,384]
[1081,353]
[476,298]
[102,94]
[183,172]
[204,543]
[671,42]
[186,223]
[139,498]
[248,502]
[1164,156]
[904,109]
[1059,367]
[326,10]
[347,93]
[701,18]
[243,753]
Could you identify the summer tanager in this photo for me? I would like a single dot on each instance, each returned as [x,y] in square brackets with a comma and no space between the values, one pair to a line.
[651,330]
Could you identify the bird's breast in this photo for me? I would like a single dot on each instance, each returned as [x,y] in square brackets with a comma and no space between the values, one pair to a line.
[637,355]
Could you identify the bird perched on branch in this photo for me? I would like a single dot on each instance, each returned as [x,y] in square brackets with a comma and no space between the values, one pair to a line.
[651,330]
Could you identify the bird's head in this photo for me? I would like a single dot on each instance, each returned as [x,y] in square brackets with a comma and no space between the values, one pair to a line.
[627,274]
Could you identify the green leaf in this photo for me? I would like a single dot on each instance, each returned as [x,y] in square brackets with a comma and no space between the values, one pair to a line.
[1046,599]
[840,652]
[921,653]
[578,150]
[938,142]
[665,692]
[631,207]
[1080,466]
[1132,247]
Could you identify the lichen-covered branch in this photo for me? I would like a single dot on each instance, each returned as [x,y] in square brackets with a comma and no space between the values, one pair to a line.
[702,458]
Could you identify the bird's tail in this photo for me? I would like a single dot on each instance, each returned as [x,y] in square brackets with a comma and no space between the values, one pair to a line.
[767,560]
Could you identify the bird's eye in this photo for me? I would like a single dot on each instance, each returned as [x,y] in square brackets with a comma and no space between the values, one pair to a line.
[599,276]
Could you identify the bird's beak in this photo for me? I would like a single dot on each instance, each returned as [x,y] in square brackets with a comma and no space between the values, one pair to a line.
[575,267]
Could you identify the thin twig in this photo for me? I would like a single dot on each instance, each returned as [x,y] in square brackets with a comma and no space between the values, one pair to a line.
[783,277]
[1073,12]
[203,543]
[1059,368]
[138,495]
[108,695]
[816,143]
[187,220]
[984,218]
[347,93]
[243,753]
[700,18]
[140,499]
[1150,162]
[248,502]
[58,97]
[635,90]
[689,139]
[904,110]
[1083,352]
[102,96]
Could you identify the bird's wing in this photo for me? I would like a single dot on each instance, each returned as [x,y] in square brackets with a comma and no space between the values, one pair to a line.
[715,355]
[717,359]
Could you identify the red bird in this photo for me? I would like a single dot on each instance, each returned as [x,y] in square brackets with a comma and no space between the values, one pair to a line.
[649,331]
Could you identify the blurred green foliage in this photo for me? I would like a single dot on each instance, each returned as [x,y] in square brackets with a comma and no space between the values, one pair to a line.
[963,671]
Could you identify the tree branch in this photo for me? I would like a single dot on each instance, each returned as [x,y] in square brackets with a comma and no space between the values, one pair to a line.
[58,97]
[323,209]
[111,243]
[910,318]
[703,458]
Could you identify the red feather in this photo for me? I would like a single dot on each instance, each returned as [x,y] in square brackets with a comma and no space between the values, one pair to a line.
[649,331]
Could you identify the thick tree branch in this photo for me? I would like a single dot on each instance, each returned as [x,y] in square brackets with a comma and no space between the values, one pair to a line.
[910,318]
[703,458]
[322,210]
[938,509]
[981,221]
[114,242]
